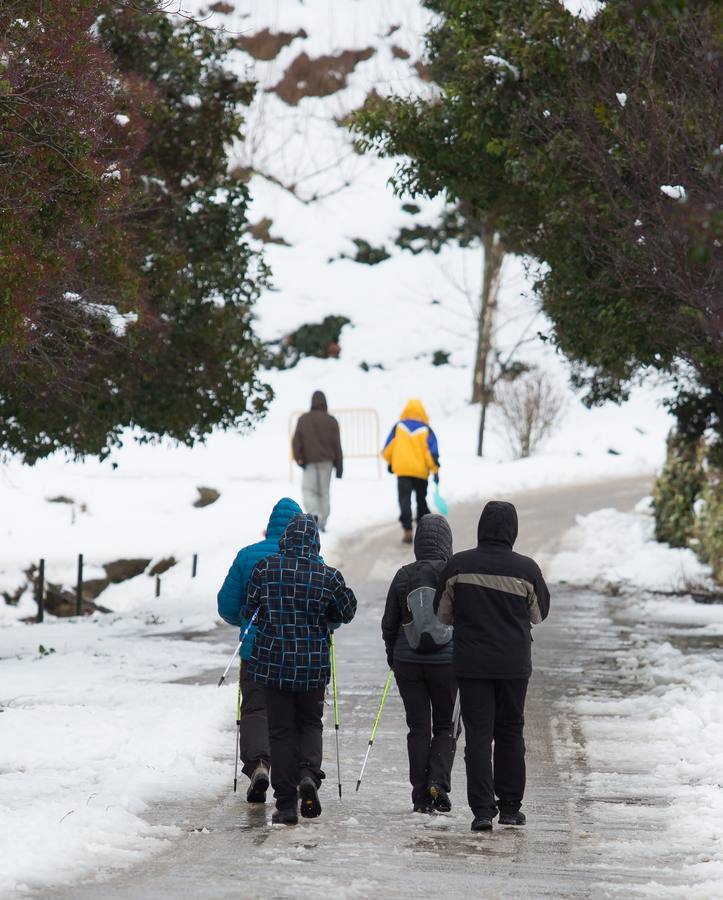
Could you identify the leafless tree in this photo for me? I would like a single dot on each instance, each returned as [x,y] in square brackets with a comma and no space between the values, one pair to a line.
[531,407]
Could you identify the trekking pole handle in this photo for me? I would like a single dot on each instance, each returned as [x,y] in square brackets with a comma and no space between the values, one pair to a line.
[238,648]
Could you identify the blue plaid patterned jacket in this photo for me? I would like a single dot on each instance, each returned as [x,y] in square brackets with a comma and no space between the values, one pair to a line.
[298,597]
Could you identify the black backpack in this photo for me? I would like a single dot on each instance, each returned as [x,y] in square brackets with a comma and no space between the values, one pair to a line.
[425,633]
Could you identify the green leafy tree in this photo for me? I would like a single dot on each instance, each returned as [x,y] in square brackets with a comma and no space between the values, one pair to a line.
[595,147]
[131,305]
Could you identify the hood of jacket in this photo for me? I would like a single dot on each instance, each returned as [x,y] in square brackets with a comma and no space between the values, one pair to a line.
[301,538]
[281,515]
[318,401]
[433,539]
[415,410]
[498,523]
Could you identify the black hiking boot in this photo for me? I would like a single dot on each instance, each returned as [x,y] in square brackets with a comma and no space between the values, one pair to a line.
[482,823]
[259,785]
[424,807]
[512,818]
[286,816]
[407,536]
[309,796]
[440,799]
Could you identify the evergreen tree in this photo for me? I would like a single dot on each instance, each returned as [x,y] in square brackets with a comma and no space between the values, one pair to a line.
[596,147]
[130,285]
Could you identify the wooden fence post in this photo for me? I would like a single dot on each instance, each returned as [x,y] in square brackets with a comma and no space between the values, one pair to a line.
[79,587]
[40,591]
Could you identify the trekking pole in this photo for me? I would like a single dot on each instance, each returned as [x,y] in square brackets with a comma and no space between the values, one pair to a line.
[336,711]
[243,638]
[374,729]
[238,727]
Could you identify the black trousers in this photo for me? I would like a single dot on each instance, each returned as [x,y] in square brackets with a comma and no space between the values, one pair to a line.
[295,740]
[430,743]
[494,710]
[254,730]
[405,488]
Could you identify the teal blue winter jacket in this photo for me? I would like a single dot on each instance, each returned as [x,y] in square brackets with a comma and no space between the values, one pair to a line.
[232,595]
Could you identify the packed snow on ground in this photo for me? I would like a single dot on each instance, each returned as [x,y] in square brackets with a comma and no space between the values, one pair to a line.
[666,719]
[93,728]
[93,731]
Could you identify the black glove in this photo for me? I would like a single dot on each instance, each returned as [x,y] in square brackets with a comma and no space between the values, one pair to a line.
[390,658]
[339,473]
[389,469]
[436,477]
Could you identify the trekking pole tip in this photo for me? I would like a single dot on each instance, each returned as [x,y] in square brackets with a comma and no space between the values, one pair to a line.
[220,681]
[358,784]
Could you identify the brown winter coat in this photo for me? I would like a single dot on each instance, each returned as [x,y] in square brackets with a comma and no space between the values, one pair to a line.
[317,437]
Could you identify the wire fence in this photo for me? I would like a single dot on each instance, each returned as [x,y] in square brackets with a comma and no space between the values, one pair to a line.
[41,585]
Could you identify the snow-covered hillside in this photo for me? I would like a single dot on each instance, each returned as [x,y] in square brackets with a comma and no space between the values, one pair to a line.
[139,503]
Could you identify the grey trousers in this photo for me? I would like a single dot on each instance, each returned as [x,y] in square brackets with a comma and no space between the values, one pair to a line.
[315,489]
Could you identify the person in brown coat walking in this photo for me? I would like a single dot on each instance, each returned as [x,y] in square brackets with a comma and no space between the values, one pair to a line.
[317,449]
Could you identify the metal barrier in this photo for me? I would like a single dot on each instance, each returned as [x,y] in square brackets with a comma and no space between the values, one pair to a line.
[360,435]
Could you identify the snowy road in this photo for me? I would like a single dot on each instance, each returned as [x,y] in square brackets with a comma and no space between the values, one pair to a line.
[370,845]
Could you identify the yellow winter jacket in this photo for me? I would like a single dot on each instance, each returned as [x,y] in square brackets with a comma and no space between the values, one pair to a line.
[411,448]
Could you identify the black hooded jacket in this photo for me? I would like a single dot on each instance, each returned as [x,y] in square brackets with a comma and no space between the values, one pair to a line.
[492,596]
[317,437]
[432,549]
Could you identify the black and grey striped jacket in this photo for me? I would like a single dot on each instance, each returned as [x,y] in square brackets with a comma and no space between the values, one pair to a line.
[492,596]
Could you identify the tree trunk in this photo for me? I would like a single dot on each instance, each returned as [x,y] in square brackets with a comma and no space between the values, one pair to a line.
[482,383]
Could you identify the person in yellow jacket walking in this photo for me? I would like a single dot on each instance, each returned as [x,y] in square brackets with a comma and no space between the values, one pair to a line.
[412,453]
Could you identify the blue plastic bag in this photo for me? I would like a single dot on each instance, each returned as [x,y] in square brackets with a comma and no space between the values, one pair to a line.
[440,502]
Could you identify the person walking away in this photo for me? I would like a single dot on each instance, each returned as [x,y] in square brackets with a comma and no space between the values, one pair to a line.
[493,596]
[317,449]
[253,729]
[412,453]
[298,599]
[419,650]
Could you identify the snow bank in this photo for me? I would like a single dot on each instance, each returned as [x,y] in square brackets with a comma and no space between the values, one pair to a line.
[671,729]
[609,547]
[91,732]
[660,737]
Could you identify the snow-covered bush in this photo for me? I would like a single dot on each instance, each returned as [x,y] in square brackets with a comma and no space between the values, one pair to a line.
[708,529]
[676,490]
[688,501]
[319,339]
